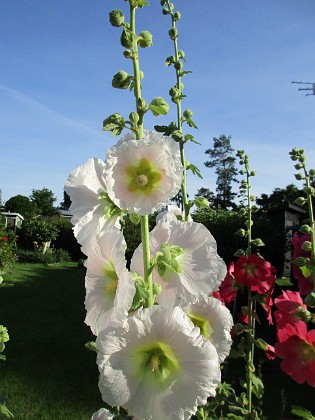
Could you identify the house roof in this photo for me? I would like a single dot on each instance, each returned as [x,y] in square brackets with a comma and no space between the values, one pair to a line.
[10,214]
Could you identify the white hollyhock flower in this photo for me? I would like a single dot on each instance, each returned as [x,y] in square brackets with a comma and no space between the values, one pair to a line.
[102,414]
[157,366]
[109,286]
[143,175]
[90,206]
[189,265]
[171,211]
[215,322]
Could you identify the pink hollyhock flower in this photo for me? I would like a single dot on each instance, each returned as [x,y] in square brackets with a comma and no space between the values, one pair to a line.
[270,352]
[289,304]
[305,283]
[254,272]
[296,346]
[229,287]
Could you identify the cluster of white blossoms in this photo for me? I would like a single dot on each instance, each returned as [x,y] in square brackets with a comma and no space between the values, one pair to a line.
[157,362]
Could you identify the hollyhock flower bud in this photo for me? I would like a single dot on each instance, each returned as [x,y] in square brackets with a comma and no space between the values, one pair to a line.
[121,80]
[173,33]
[177,15]
[145,39]
[116,18]
[126,38]
[159,106]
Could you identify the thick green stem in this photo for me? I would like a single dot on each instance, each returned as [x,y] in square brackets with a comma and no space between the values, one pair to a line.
[138,96]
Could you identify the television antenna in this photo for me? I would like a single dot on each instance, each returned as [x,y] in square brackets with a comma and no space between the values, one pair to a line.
[308,86]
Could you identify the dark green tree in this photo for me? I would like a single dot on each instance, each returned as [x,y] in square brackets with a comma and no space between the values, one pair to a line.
[279,197]
[223,160]
[44,200]
[66,203]
[22,205]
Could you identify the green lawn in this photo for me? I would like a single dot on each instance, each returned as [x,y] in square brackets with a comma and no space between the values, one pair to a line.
[50,375]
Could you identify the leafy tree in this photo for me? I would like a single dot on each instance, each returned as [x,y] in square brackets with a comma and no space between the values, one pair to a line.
[66,203]
[222,159]
[21,204]
[279,197]
[44,200]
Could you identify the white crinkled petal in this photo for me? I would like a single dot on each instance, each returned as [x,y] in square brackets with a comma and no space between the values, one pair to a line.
[123,382]
[163,155]
[201,267]
[220,321]
[84,186]
[107,307]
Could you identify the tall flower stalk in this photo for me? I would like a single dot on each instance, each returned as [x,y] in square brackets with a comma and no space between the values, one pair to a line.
[176,94]
[307,265]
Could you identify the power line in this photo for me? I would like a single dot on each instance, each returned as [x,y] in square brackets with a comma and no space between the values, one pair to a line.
[309,86]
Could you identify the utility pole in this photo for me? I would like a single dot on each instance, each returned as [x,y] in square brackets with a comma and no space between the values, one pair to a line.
[308,86]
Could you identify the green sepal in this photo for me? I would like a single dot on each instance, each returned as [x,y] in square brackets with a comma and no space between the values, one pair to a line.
[126,38]
[141,295]
[240,232]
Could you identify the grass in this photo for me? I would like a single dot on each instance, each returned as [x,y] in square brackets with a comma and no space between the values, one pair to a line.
[50,375]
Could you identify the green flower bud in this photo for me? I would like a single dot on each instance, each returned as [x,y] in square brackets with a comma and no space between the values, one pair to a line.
[157,289]
[298,166]
[126,37]
[163,2]
[201,202]
[311,172]
[253,173]
[299,177]
[307,246]
[305,229]
[178,65]
[121,80]
[240,252]
[241,162]
[170,60]
[134,117]
[114,123]
[173,33]
[165,11]
[188,113]
[128,54]
[145,39]
[177,15]
[240,232]
[257,242]
[300,201]
[159,106]
[181,55]
[116,18]
[300,261]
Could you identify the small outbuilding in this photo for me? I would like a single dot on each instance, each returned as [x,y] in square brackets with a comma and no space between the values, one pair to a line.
[12,220]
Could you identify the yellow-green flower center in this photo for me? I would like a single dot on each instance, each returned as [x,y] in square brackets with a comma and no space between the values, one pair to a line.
[157,362]
[203,323]
[110,279]
[142,177]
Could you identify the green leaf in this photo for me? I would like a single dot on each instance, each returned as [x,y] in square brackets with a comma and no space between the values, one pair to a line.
[189,137]
[306,271]
[5,411]
[302,412]
[91,345]
[194,170]
[310,300]
[258,386]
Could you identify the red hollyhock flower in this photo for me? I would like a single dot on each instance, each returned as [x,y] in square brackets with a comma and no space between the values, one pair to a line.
[289,304]
[229,286]
[255,272]
[4,238]
[296,346]
[305,283]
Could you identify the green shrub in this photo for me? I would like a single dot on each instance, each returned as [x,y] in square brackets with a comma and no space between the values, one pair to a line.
[51,256]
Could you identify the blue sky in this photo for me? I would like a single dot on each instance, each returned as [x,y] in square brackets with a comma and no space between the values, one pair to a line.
[58,59]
